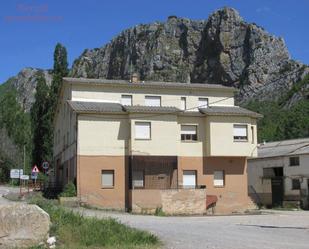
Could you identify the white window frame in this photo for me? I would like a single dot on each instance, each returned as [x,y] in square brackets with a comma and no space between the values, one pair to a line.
[183,103]
[219,178]
[238,135]
[138,135]
[151,99]
[127,99]
[109,172]
[188,135]
[189,176]
[203,102]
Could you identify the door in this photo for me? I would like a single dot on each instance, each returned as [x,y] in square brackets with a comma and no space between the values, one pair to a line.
[277,191]
[189,179]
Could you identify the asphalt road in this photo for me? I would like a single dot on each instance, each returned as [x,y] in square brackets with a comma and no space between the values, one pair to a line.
[278,230]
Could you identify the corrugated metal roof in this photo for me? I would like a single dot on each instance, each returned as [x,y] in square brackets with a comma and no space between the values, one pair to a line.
[147,109]
[229,110]
[96,107]
[148,84]
[284,148]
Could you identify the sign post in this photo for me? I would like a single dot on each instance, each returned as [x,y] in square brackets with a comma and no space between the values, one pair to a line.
[35,171]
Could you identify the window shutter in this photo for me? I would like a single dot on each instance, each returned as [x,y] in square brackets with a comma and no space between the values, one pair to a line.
[142,130]
[240,131]
[138,178]
[126,99]
[107,178]
[189,179]
[203,102]
[188,129]
[183,103]
[219,178]
[152,100]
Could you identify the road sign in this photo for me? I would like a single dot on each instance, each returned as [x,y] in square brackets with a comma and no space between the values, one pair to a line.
[34,175]
[45,165]
[16,173]
[24,177]
[35,169]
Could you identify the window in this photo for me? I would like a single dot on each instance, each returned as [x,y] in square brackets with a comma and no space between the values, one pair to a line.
[252,134]
[107,178]
[189,179]
[219,178]
[240,133]
[183,103]
[142,130]
[138,179]
[188,133]
[126,99]
[294,161]
[152,100]
[202,102]
[295,184]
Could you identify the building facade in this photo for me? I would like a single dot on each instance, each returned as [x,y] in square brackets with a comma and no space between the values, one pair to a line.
[279,176]
[127,145]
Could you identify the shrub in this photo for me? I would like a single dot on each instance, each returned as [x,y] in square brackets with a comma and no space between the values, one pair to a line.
[69,190]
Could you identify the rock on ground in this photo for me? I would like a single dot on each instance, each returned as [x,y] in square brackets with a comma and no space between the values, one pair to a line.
[22,225]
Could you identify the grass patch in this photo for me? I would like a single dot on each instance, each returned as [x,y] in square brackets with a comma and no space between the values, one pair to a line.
[72,230]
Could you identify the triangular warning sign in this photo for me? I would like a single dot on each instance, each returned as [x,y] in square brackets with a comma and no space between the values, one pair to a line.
[35,169]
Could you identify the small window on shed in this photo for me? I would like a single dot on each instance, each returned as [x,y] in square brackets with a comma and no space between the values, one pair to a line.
[294,161]
[295,184]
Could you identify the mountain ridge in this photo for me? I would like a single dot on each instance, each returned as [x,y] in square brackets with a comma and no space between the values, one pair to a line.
[224,49]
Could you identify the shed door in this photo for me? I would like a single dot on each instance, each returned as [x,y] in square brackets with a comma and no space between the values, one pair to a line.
[189,179]
[277,191]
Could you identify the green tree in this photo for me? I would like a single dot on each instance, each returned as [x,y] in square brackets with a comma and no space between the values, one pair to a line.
[60,70]
[41,123]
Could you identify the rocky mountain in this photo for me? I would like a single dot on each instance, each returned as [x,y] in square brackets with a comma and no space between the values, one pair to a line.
[224,49]
[25,83]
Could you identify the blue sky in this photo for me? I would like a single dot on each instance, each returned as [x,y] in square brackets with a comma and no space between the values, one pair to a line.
[30,29]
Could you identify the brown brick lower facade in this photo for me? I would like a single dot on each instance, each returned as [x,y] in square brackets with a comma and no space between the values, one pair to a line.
[232,197]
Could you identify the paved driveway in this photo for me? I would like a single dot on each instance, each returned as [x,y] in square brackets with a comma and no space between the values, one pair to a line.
[279,230]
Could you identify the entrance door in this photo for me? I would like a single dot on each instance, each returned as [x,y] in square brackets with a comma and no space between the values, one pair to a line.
[277,191]
[189,179]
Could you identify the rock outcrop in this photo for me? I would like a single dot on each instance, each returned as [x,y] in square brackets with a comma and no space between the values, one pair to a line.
[223,49]
[22,225]
[25,84]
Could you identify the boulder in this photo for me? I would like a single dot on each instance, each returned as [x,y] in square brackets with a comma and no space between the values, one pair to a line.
[22,225]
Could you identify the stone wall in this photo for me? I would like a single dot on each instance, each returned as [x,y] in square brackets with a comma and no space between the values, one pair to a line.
[171,201]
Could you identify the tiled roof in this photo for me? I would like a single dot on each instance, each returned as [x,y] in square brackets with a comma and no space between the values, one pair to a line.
[152,109]
[95,107]
[229,110]
[284,148]
[148,84]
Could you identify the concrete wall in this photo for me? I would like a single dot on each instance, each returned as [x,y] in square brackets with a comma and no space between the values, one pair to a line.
[221,137]
[172,201]
[233,196]
[103,135]
[89,185]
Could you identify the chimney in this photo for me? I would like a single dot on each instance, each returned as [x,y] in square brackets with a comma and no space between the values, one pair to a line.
[134,78]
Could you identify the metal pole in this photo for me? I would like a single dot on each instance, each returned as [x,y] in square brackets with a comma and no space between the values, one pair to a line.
[24,159]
